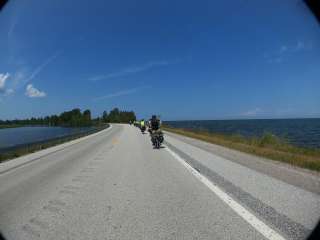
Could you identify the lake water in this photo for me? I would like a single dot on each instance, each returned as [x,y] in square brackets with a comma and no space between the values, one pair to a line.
[300,132]
[10,137]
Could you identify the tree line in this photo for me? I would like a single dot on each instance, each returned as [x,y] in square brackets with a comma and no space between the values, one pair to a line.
[73,118]
[117,116]
[76,118]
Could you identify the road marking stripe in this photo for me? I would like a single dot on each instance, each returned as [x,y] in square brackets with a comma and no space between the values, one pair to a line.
[260,226]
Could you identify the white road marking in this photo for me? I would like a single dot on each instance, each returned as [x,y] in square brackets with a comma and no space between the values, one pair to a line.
[260,226]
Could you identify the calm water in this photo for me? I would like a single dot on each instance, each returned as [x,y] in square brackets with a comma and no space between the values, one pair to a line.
[300,132]
[15,136]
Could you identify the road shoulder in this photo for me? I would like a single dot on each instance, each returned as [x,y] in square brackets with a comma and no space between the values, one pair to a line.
[302,178]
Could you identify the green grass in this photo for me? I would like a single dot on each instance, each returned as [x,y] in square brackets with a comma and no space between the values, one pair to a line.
[268,146]
[20,151]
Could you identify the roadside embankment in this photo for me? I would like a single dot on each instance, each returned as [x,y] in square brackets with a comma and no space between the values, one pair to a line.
[268,146]
[20,150]
[10,126]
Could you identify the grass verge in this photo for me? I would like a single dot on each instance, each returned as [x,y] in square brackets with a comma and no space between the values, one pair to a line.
[268,146]
[17,151]
[9,126]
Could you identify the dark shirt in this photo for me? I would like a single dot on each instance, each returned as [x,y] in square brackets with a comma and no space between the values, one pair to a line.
[155,124]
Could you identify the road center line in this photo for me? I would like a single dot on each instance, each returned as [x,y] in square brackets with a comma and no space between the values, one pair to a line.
[260,226]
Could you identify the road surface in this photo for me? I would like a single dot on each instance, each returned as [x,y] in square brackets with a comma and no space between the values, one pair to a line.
[114,185]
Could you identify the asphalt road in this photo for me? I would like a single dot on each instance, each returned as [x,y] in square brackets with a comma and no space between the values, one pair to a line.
[114,185]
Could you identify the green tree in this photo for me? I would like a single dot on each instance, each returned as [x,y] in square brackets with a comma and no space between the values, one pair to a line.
[117,116]
[87,117]
[105,116]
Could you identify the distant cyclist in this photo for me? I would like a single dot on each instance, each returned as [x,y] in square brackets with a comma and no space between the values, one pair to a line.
[142,125]
[156,133]
[155,123]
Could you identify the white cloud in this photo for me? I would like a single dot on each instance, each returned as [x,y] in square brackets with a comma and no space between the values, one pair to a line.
[252,112]
[285,51]
[3,79]
[23,75]
[32,92]
[3,90]
[131,70]
[121,93]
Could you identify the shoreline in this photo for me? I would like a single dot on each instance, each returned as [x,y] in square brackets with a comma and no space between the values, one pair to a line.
[241,119]
[267,146]
[39,125]
[10,153]
[10,126]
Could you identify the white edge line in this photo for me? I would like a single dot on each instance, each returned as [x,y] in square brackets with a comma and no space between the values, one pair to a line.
[260,226]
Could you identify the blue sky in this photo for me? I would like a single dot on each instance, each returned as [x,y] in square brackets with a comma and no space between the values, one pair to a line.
[179,59]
